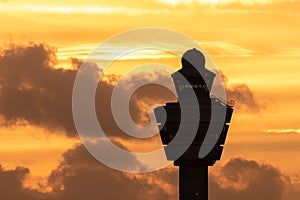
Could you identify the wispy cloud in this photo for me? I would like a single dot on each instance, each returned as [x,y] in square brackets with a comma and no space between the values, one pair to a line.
[220,49]
[111,53]
[163,7]
[224,49]
[283,131]
[59,9]
[247,2]
[214,48]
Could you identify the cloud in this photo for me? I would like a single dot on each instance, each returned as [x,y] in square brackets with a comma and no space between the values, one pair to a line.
[84,9]
[11,185]
[110,53]
[80,176]
[140,102]
[231,4]
[32,90]
[248,179]
[223,49]
[239,92]
[243,96]
[220,49]
[295,131]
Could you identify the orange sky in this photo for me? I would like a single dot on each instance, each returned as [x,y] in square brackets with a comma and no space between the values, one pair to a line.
[251,42]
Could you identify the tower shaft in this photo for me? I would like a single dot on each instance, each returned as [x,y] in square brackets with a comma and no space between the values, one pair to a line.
[193,182]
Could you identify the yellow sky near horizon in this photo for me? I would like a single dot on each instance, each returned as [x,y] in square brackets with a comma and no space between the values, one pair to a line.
[253,42]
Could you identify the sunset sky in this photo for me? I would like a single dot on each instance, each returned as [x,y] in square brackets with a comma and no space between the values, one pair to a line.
[254,43]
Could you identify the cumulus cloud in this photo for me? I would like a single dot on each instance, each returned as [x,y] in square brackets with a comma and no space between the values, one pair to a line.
[248,179]
[34,91]
[139,104]
[31,89]
[11,185]
[80,176]
[242,95]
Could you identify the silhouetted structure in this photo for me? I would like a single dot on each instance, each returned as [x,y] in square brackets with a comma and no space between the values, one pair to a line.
[193,87]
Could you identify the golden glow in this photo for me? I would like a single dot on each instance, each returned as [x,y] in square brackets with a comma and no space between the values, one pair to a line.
[254,42]
[35,148]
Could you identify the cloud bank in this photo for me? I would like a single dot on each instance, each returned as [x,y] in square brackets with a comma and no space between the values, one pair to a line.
[32,90]
[80,176]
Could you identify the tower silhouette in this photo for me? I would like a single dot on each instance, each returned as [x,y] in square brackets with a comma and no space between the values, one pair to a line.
[193,83]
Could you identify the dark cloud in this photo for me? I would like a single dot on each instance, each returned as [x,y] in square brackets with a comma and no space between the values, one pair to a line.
[150,94]
[240,93]
[80,176]
[31,89]
[139,105]
[248,180]
[243,97]
[11,185]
